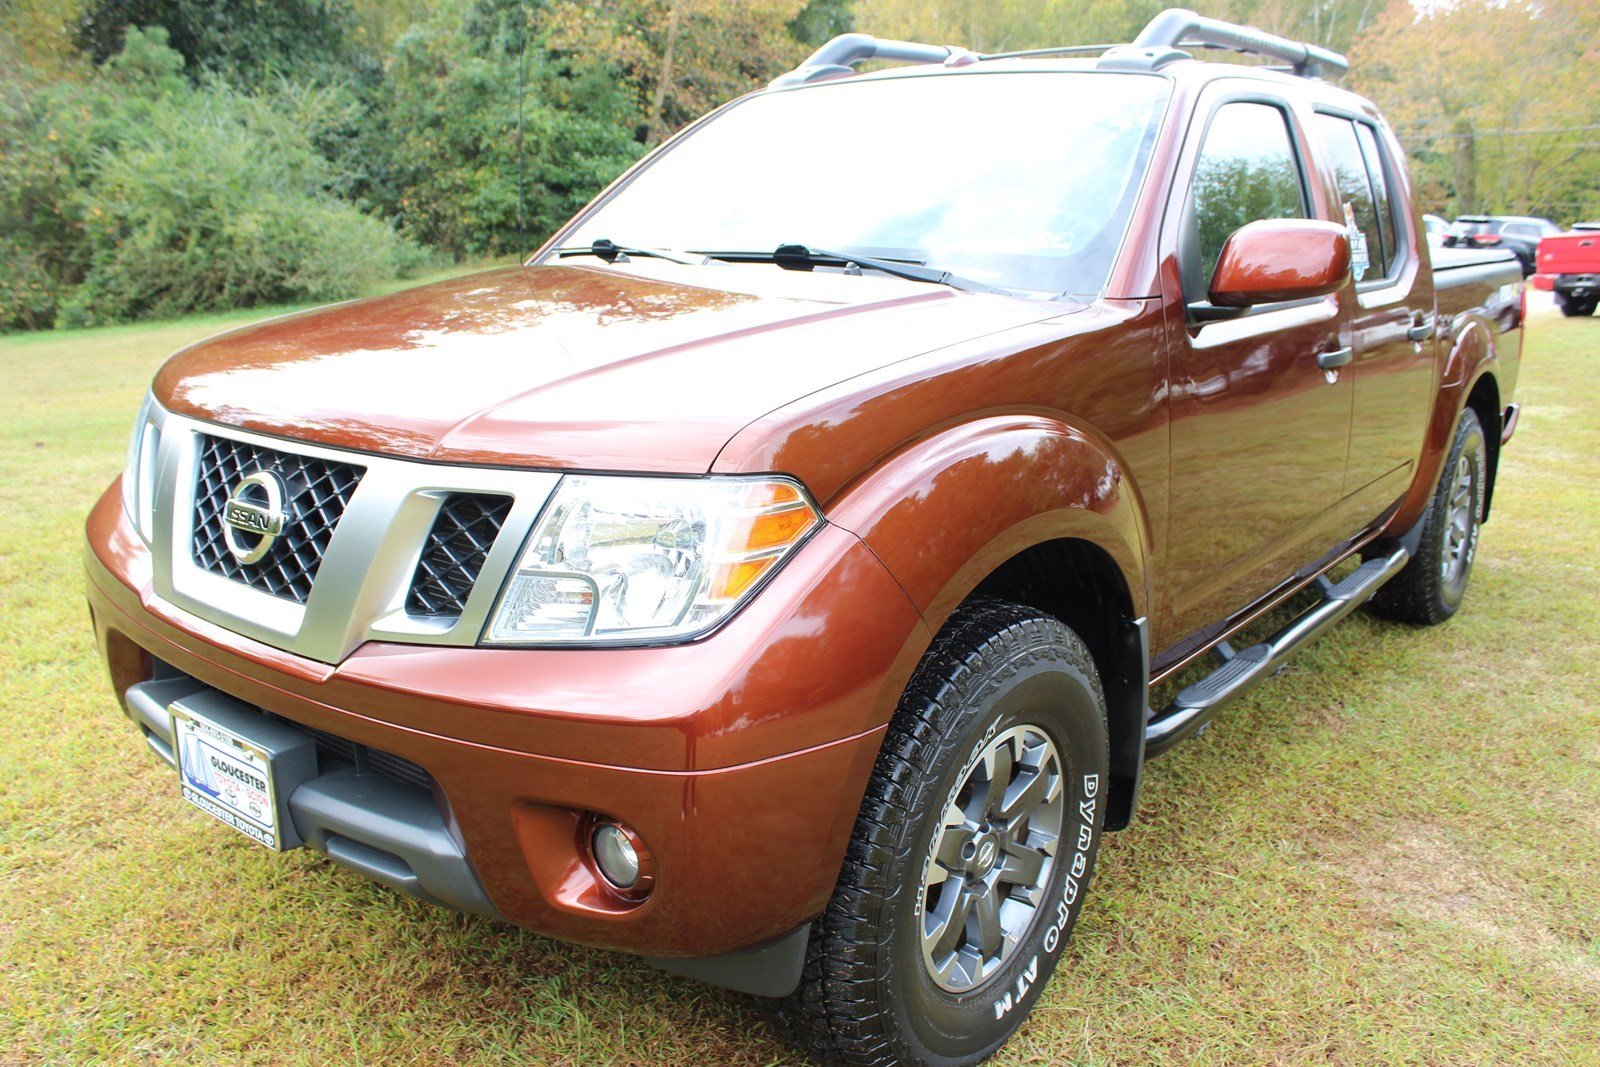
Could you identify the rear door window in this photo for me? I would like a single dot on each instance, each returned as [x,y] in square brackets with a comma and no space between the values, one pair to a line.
[1369,258]
[1378,171]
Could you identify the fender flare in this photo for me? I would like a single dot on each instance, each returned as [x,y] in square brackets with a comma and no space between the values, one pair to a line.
[1473,356]
[945,512]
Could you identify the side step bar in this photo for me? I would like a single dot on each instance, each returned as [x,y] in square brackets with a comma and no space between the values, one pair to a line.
[1240,672]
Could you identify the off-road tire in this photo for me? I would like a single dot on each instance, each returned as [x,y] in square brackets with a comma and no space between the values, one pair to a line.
[867,996]
[1576,309]
[1422,593]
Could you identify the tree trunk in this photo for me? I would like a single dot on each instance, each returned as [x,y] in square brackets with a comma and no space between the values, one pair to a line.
[1466,167]
[658,104]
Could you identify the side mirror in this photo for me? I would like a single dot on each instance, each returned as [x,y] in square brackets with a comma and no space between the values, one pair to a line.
[1280,259]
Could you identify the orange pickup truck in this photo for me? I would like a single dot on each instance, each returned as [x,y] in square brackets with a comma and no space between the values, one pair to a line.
[770,576]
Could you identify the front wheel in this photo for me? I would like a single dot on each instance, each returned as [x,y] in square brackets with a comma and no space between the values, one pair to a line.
[972,853]
[1428,590]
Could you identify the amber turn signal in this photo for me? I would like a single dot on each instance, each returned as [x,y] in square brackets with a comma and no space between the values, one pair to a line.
[755,542]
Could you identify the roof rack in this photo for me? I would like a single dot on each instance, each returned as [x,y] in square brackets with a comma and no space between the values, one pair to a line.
[840,55]
[1158,44]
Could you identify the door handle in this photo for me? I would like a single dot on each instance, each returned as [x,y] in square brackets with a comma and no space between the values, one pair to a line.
[1335,359]
[1420,332]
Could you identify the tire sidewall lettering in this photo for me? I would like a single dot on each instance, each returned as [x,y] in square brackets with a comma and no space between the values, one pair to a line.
[1055,934]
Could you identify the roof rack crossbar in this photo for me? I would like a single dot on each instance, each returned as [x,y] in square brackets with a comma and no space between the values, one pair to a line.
[1159,44]
[840,55]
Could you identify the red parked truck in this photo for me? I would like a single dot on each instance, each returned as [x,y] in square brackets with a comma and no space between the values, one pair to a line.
[770,577]
[1571,262]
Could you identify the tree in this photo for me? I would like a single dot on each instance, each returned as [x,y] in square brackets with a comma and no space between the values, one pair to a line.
[247,42]
[822,20]
[1003,25]
[136,193]
[681,58]
[1492,98]
[37,36]
[1007,25]
[443,140]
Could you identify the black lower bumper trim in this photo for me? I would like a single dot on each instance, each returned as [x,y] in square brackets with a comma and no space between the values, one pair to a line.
[384,827]
[769,970]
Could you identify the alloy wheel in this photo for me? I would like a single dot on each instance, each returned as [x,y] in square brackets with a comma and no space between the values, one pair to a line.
[992,858]
[1461,523]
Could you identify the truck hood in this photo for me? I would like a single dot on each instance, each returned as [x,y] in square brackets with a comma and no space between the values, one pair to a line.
[648,367]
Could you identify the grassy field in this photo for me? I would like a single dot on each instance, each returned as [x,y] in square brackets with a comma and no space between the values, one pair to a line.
[1389,854]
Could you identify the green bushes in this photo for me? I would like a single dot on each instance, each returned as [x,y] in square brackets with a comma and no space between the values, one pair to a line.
[141,195]
[165,156]
[219,199]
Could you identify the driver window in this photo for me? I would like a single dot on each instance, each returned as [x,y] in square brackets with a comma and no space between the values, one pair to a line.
[1246,171]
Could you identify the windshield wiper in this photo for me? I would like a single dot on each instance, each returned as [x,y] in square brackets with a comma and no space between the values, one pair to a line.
[805,257]
[612,252]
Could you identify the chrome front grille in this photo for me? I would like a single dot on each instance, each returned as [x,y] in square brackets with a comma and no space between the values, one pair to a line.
[369,547]
[318,492]
[453,556]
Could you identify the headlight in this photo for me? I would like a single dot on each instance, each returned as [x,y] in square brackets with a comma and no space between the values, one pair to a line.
[139,473]
[623,559]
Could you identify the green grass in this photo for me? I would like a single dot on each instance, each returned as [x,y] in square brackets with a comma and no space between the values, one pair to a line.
[1388,854]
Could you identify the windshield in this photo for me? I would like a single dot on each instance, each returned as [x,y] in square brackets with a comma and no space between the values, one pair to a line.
[1021,180]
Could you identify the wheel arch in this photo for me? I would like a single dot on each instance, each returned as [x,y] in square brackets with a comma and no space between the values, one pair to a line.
[1079,583]
[1030,509]
[1484,399]
[1467,379]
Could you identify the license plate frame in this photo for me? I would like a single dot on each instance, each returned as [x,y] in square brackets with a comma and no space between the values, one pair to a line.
[240,768]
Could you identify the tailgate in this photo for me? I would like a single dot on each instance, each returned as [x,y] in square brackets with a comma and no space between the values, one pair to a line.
[1570,253]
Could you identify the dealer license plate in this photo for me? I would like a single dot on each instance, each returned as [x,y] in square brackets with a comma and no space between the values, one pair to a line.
[226,776]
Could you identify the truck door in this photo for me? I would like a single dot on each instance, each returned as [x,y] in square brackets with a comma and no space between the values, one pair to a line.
[1393,373]
[1260,406]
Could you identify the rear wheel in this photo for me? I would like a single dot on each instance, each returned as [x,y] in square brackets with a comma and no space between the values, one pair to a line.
[972,854]
[1428,590]
[1574,308]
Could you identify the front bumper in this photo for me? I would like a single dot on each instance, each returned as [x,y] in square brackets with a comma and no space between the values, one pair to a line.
[740,760]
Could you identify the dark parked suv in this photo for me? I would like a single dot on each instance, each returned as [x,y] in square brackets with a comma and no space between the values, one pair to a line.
[1519,234]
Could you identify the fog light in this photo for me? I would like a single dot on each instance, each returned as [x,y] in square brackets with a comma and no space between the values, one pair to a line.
[617,855]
